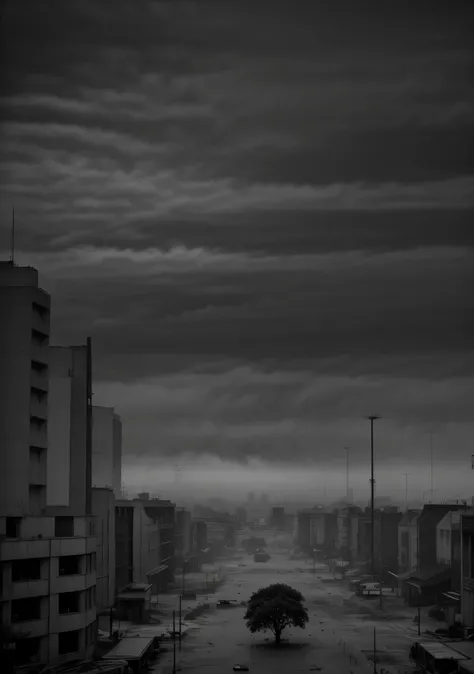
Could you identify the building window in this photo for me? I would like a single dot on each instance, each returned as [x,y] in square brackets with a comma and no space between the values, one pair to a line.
[39,309]
[91,562]
[26,569]
[27,650]
[68,642]
[26,609]
[69,565]
[91,633]
[37,422]
[38,336]
[38,395]
[63,526]
[13,527]
[68,602]
[37,366]
[90,598]
[36,453]
[37,497]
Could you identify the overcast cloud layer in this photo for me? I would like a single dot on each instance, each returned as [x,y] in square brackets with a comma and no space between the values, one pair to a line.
[262,216]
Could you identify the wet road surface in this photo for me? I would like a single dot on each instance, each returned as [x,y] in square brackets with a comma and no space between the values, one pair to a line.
[337,639]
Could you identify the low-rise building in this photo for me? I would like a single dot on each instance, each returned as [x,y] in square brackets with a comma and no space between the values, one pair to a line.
[467,569]
[385,540]
[347,532]
[431,579]
[407,549]
[199,544]
[316,532]
[144,534]
[277,518]
[182,535]
[408,541]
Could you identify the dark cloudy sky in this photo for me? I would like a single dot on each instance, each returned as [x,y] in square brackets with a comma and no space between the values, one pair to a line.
[261,212]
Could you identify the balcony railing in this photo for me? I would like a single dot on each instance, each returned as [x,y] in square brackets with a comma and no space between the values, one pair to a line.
[39,407]
[37,472]
[40,353]
[39,436]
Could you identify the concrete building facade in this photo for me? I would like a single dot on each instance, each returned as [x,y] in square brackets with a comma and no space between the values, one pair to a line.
[48,587]
[107,449]
[103,508]
[47,552]
[198,539]
[145,540]
[69,431]
[183,540]
[277,518]
[407,543]
[467,569]
[24,384]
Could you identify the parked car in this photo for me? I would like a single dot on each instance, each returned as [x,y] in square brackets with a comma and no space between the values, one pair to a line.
[437,613]
[240,668]
[227,602]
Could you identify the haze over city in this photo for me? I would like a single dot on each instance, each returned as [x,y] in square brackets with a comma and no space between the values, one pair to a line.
[263,219]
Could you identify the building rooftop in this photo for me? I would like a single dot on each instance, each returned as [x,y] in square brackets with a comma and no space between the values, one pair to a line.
[409,516]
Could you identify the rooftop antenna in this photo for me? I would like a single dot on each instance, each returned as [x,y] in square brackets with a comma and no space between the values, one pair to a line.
[12,256]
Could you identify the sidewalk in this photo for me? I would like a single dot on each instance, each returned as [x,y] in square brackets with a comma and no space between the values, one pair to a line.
[395,610]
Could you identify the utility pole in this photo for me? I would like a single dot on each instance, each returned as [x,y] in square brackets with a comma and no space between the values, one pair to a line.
[174,642]
[12,252]
[375,650]
[347,474]
[372,492]
[406,491]
[431,469]
[381,561]
[180,611]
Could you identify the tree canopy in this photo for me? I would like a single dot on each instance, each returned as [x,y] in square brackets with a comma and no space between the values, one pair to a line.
[275,607]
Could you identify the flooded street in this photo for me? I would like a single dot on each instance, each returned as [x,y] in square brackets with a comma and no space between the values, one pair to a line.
[338,637]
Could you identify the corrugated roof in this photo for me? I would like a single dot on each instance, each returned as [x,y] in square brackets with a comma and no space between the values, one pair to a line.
[441,651]
[429,576]
[130,647]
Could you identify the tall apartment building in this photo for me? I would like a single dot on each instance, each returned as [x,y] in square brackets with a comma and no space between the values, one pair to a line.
[107,449]
[47,552]
[69,431]
[24,383]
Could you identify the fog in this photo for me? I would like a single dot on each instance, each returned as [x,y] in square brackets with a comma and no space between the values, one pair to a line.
[200,479]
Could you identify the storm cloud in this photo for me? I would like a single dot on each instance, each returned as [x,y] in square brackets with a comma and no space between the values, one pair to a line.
[262,217]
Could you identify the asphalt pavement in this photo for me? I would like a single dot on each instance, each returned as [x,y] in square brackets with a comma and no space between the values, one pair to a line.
[338,639]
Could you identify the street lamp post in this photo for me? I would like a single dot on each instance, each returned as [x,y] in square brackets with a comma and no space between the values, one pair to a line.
[372,491]
[346,449]
[406,491]
[431,469]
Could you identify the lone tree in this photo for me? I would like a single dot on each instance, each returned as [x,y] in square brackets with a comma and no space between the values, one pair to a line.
[274,608]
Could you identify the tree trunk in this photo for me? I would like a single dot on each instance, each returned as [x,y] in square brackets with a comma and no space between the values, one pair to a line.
[277,637]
